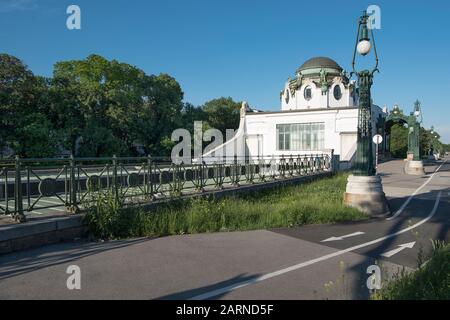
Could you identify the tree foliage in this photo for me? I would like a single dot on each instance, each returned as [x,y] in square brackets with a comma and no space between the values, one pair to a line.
[118,105]
[399,141]
[98,107]
[222,114]
[24,125]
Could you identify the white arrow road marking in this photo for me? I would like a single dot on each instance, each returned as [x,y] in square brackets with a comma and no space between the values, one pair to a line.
[400,248]
[219,291]
[399,211]
[343,237]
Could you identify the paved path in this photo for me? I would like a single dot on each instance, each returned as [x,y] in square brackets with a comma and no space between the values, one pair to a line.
[268,264]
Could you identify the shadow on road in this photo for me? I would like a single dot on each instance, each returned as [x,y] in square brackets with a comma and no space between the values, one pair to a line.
[351,282]
[22,262]
[184,295]
[418,209]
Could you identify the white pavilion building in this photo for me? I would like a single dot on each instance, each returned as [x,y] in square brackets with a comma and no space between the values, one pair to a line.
[319,113]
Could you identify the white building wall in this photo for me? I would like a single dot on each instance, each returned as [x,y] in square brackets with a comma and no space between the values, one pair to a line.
[257,133]
[318,100]
[335,120]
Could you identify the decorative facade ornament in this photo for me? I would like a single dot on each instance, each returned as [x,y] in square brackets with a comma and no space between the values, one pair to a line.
[244,108]
[344,74]
[293,87]
[323,81]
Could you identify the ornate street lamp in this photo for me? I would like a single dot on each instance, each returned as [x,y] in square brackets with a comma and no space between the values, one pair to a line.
[364,165]
[414,165]
[364,189]
[414,121]
[430,143]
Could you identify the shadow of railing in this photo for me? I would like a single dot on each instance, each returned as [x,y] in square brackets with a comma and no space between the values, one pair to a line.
[23,262]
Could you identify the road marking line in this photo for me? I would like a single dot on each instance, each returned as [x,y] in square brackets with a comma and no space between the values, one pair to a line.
[37,212]
[399,211]
[399,248]
[242,284]
[62,209]
[53,202]
[343,237]
[38,206]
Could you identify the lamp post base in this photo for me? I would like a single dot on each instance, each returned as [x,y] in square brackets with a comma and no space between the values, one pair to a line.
[414,168]
[366,194]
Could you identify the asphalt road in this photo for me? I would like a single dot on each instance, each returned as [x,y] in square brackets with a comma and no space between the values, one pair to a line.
[292,263]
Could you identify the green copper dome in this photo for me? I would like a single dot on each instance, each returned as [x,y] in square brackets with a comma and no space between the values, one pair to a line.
[320,62]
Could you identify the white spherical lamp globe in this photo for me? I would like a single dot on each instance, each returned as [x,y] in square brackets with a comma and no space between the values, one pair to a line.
[364,47]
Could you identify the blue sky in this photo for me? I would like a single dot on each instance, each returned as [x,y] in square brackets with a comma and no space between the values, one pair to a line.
[245,49]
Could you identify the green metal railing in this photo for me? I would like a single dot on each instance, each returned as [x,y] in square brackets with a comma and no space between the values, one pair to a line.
[46,186]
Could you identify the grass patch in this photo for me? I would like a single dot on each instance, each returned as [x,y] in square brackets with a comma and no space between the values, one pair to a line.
[430,282]
[316,202]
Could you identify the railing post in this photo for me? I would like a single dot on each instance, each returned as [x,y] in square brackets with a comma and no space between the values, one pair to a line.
[175,181]
[291,166]
[114,182]
[18,204]
[237,171]
[202,174]
[316,163]
[150,176]
[73,185]
[332,162]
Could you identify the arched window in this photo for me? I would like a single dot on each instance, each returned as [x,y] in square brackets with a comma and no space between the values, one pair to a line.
[337,93]
[307,93]
[287,96]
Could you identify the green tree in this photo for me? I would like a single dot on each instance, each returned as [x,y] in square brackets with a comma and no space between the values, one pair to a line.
[121,101]
[446,147]
[98,141]
[427,141]
[16,89]
[107,106]
[222,113]
[161,113]
[190,114]
[399,141]
[81,105]
[24,125]
[36,137]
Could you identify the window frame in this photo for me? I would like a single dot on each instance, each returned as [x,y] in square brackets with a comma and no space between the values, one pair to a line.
[308,87]
[306,136]
[340,92]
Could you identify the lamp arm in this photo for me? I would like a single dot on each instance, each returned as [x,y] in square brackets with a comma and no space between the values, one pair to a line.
[375,52]
[356,45]
[375,69]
